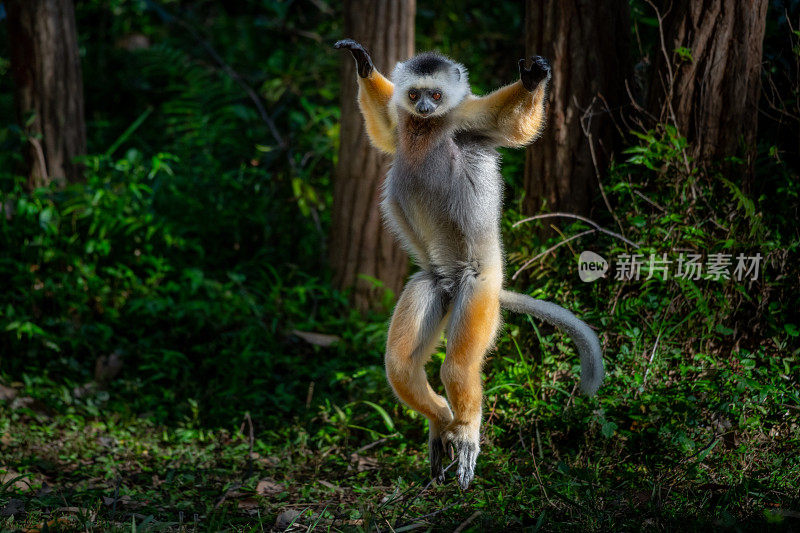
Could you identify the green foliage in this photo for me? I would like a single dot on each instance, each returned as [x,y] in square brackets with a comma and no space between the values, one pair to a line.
[194,252]
[685,54]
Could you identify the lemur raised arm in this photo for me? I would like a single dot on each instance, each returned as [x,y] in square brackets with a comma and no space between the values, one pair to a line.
[443,199]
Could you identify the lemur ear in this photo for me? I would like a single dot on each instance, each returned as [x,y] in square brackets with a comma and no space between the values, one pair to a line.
[457,72]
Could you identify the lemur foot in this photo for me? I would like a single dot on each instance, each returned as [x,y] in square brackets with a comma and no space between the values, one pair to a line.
[467,450]
[363,61]
[437,454]
[538,71]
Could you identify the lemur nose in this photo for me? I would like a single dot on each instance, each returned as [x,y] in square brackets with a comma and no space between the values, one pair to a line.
[424,109]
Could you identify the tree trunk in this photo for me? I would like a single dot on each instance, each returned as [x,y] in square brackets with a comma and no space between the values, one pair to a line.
[710,87]
[46,68]
[587,44]
[360,245]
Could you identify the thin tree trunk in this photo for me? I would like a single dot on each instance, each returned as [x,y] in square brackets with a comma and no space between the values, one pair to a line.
[587,44]
[710,88]
[360,245]
[46,68]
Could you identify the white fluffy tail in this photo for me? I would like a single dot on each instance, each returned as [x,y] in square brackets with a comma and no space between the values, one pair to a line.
[582,335]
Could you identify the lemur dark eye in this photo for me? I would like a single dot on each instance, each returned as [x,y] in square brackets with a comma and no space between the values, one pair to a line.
[413,95]
[437,95]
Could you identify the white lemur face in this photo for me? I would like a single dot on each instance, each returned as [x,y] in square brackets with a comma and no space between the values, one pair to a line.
[429,85]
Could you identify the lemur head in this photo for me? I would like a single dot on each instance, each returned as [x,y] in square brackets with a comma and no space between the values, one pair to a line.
[429,84]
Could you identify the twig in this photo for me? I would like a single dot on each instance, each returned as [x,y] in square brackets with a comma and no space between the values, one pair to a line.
[310,395]
[538,440]
[610,114]
[585,122]
[649,201]
[492,412]
[616,298]
[373,444]
[650,362]
[635,104]
[537,474]
[434,513]
[225,68]
[222,498]
[592,223]
[426,487]
[467,522]
[562,243]
[249,464]
[671,85]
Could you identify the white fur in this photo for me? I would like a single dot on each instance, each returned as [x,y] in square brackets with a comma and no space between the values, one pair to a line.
[453,88]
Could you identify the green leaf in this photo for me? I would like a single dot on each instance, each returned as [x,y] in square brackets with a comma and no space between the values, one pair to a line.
[722,330]
[387,420]
[608,429]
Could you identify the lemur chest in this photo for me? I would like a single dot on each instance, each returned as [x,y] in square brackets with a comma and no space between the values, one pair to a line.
[444,169]
[446,185]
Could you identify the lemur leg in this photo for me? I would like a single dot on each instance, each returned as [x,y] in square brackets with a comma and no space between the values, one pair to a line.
[414,332]
[471,333]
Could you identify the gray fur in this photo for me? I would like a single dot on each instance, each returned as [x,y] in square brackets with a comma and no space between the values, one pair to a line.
[584,337]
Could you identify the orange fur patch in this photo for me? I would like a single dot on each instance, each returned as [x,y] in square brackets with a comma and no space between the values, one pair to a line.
[373,99]
[469,342]
[405,373]
[511,114]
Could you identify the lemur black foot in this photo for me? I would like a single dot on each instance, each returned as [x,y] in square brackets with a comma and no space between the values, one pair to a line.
[363,61]
[538,71]
[437,454]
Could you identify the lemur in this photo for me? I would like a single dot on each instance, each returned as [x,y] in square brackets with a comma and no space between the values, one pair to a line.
[443,197]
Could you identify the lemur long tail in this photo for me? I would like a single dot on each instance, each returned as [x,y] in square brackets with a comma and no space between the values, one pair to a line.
[583,336]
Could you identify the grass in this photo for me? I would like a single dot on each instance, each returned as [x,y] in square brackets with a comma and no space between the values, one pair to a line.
[699,445]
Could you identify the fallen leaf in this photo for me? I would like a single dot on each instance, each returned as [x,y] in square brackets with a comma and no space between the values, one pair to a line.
[7,393]
[21,482]
[317,339]
[266,461]
[328,484]
[268,487]
[35,405]
[362,463]
[125,500]
[249,505]
[287,518]
[64,521]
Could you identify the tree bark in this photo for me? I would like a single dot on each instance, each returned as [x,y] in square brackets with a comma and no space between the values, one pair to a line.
[46,69]
[712,97]
[360,245]
[587,44]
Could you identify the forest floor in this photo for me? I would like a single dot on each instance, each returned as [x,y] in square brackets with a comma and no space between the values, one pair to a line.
[68,463]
